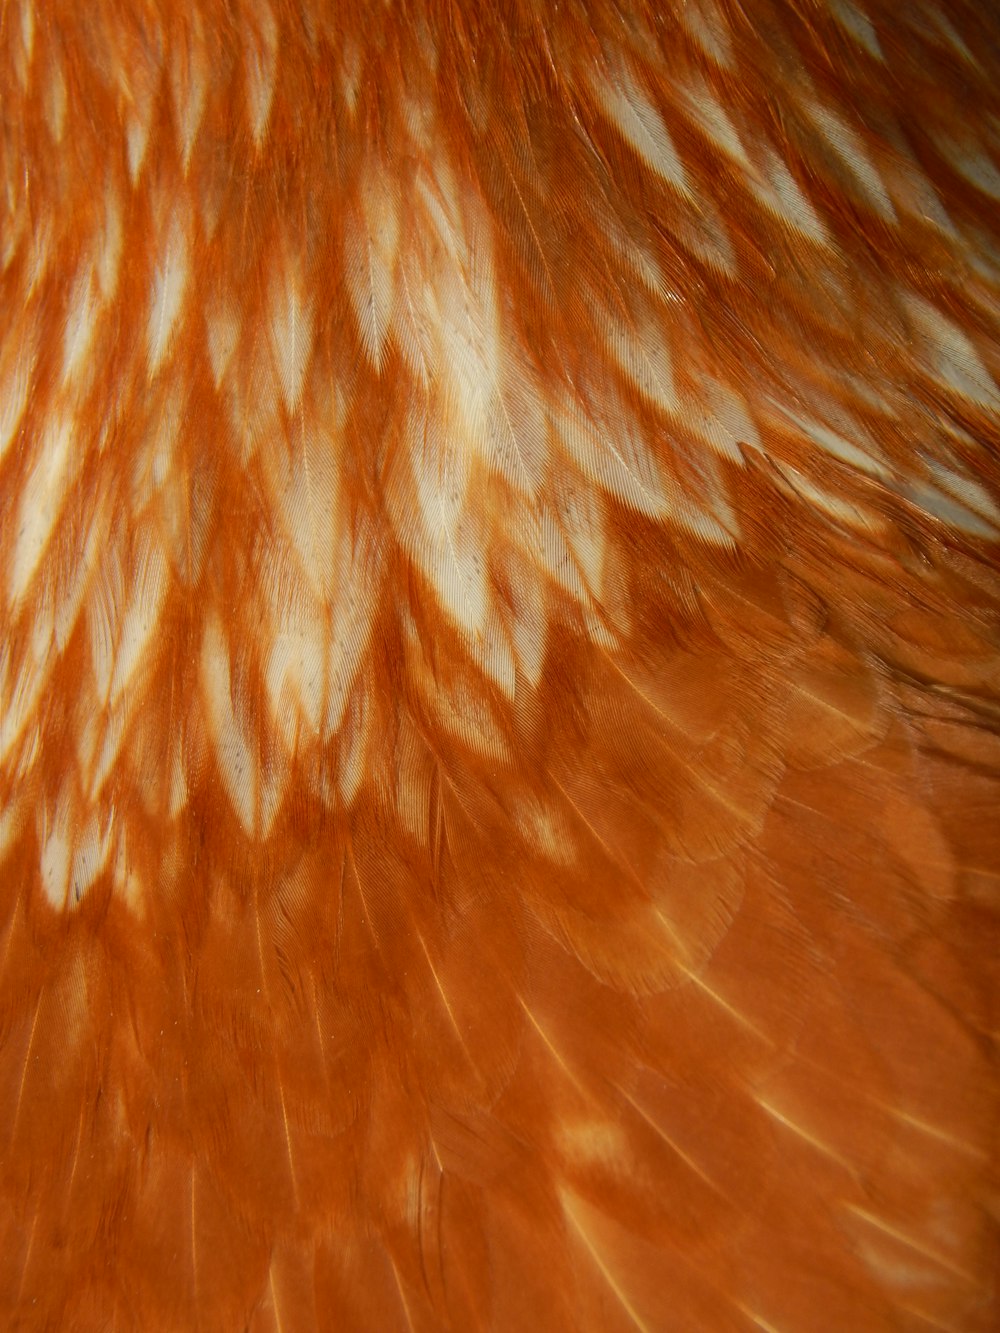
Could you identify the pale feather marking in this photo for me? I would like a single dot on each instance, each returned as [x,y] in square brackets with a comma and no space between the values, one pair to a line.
[55,98]
[627,106]
[552,1048]
[708,28]
[42,502]
[142,614]
[167,295]
[705,109]
[446,1002]
[956,363]
[784,197]
[529,637]
[57,852]
[353,757]
[372,247]
[350,632]
[260,62]
[721,416]
[912,1242]
[933,1131]
[550,283]
[411,344]
[27,16]
[250,793]
[644,355]
[658,1129]
[596,456]
[856,22]
[137,126]
[757,1319]
[91,854]
[16,370]
[295,672]
[291,329]
[834,443]
[851,151]
[189,79]
[724,1004]
[223,332]
[402,1295]
[307,484]
[572,1205]
[980,515]
[110,243]
[972,162]
[491,649]
[801,1133]
[22,691]
[455,566]
[24,1068]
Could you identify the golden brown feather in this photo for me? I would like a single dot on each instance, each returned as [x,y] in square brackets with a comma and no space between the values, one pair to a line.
[500,665]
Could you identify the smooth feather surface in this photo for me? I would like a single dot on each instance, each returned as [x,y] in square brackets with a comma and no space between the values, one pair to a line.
[500,665]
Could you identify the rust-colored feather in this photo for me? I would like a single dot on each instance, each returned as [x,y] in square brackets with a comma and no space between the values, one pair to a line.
[500,665]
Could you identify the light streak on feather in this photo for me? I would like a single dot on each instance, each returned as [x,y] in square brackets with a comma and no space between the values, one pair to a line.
[291,330]
[625,469]
[55,99]
[353,754]
[973,162]
[260,62]
[139,95]
[253,793]
[781,194]
[305,481]
[720,415]
[851,151]
[223,332]
[110,243]
[27,17]
[644,355]
[955,361]
[56,835]
[493,652]
[629,109]
[295,670]
[708,27]
[800,1131]
[167,295]
[529,628]
[836,444]
[78,334]
[141,614]
[17,363]
[371,245]
[92,848]
[581,520]
[855,21]
[43,497]
[448,548]
[582,1217]
[955,499]
[707,112]
[909,1240]
[189,80]
[357,579]
[21,687]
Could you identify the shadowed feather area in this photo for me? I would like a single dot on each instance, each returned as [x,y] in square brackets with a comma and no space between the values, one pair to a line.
[500,665]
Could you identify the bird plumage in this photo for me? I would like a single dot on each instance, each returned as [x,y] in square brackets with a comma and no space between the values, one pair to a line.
[500,689]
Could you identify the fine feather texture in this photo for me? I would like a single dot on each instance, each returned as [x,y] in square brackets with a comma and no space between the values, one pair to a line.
[500,665]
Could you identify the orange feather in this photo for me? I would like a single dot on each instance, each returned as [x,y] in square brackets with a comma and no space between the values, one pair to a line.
[500,665]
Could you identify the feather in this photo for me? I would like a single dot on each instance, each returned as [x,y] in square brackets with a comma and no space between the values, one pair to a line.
[499,665]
